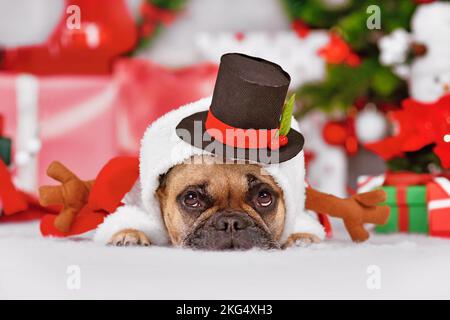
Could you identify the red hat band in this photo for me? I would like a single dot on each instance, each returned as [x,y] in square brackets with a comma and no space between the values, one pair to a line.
[242,138]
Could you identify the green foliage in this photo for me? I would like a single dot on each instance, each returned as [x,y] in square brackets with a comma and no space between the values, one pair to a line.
[419,161]
[384,83]
[350,19]
[313,12]
[168,4]
[344,84]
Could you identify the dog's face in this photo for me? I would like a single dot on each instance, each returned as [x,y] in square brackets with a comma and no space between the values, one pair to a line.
[216,206]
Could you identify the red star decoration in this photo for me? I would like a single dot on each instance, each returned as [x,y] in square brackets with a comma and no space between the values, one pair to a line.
[337,51]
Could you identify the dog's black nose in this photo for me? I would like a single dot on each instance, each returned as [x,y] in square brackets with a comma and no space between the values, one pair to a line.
[232,221]
[230,230]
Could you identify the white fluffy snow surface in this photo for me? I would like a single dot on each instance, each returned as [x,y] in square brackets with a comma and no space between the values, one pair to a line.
[388,266]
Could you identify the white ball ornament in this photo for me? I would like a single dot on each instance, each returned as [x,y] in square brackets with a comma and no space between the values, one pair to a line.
[370,125]
[22,158]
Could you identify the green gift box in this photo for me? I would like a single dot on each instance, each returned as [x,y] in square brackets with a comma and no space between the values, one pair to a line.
[408,209]
[5,150]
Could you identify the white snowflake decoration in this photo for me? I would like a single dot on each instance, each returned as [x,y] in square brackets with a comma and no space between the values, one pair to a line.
[428,75]
[394,47]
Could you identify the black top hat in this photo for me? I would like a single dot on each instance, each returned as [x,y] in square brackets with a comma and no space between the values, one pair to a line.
[249,94]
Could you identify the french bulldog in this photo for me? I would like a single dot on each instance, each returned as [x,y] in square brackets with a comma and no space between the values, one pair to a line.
[222,206]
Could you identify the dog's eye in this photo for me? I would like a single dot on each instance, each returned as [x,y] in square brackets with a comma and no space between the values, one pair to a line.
[191,199]
[264,199]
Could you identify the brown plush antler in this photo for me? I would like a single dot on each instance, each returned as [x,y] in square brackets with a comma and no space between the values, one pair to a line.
[73,194]
[354,211]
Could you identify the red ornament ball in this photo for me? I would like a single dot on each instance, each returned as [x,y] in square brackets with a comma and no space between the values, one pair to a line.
[335,133]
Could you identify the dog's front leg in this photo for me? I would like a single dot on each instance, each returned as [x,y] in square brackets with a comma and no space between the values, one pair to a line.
[130,225]
[129,237]
[301,240]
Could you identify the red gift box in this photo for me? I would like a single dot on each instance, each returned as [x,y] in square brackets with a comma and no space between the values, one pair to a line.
[438,195]
[147,90]
[67,118]
[84,121]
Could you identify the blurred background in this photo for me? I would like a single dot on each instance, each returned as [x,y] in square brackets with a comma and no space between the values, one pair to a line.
[80,80]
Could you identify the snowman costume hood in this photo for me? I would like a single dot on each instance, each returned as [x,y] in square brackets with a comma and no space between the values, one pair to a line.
[162,148]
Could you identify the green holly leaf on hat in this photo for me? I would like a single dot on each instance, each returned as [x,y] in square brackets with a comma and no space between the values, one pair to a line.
[286,116]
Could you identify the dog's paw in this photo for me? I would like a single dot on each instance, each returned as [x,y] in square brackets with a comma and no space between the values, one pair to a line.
[300,240]
[129,237]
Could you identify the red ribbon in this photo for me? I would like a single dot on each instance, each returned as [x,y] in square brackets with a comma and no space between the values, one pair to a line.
[403,210]
[242,138]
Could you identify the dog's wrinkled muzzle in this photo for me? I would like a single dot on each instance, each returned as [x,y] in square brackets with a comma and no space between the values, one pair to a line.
[230,230]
